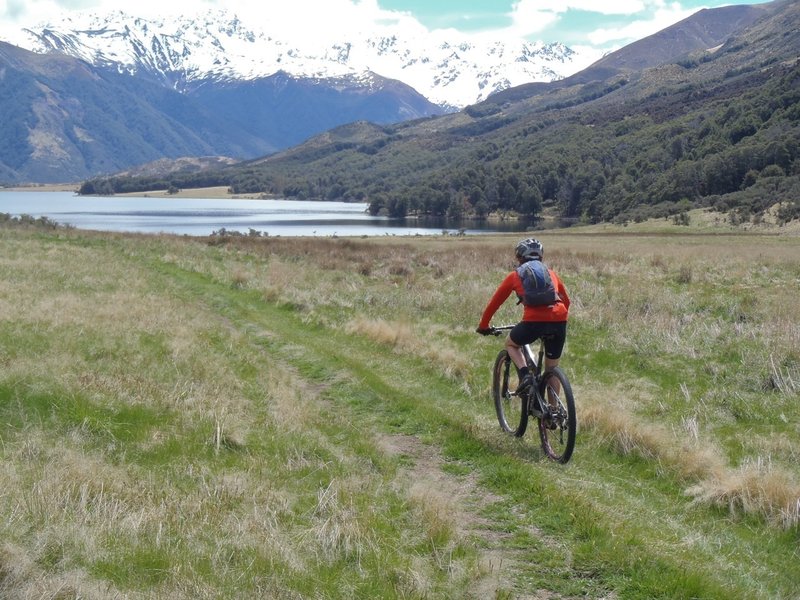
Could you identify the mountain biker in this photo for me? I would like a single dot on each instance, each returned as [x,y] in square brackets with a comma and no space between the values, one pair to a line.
[546,321]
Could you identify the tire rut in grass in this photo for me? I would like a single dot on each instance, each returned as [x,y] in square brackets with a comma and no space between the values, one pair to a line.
[463,499]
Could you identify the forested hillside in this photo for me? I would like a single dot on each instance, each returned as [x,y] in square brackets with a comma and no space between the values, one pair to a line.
[718,128]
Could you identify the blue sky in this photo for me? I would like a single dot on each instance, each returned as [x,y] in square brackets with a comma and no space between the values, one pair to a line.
[601,24]
[581,22]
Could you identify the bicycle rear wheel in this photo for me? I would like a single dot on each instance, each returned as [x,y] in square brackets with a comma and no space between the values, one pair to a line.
[512,410]
[557,432]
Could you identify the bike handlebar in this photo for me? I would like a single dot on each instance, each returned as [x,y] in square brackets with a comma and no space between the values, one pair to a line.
[497,330]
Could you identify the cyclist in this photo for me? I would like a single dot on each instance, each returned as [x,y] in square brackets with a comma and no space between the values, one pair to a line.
[545,321]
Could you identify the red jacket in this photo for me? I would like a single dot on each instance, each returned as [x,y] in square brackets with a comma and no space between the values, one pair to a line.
[512,283]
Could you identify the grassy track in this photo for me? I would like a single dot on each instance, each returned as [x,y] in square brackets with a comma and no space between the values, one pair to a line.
[311,419]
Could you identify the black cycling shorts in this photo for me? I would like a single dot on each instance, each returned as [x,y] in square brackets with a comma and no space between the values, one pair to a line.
[554,335]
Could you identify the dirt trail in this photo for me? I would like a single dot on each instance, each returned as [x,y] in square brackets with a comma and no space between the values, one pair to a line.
[466,499]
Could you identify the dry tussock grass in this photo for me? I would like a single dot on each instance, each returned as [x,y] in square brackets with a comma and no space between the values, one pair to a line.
[81,504]
[81,490]
[341,254]
[244,510]
[648,296]
[21,578]
[75,501]
[678,451]
[373,276]
[382,286]
[394,334]
[756,488]
[685,295]
[692,298]
[403,338]
[91,319]
[338,531]
[291,402]
[114,341]
[183,378]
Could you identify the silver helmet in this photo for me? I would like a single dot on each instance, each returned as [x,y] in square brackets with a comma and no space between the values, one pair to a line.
[530,249]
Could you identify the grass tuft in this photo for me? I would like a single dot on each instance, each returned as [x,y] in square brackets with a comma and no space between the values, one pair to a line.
[682,453]
[756,489]
[338,530]
[402,337]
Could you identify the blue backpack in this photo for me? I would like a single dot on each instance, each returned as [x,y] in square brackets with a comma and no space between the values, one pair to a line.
[537,283]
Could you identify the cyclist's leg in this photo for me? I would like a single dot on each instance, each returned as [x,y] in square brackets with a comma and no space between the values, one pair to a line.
[554,337]
[554,386]
[550,363]
[524,332]
[515,352]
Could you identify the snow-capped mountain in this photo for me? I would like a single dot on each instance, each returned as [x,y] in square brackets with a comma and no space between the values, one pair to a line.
[217,46]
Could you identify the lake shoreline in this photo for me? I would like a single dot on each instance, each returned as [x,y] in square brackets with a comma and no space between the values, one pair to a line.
[210,193]
[198,216]
[702,220]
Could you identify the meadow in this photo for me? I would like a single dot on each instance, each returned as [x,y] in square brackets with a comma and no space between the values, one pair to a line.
[302,418]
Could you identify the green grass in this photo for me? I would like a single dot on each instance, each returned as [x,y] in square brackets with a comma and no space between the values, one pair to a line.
[297,418]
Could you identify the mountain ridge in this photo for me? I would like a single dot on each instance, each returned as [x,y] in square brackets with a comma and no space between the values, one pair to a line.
[216,45]
[218,96]
[700,32]
[66,120]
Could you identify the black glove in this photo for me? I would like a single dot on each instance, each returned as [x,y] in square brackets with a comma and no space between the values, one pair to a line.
[486,331]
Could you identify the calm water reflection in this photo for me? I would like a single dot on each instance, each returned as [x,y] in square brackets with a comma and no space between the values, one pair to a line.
[199,216]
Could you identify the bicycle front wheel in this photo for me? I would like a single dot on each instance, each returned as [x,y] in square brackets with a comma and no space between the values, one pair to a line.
[512,410]
[558,429]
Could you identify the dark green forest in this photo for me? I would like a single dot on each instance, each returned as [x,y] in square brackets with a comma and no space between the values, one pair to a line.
[709,131]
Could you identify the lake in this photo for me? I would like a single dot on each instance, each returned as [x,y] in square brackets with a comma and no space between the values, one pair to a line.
[200,216]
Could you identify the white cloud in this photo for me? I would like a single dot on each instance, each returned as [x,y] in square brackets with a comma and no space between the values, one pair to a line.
[529,17]
[320,21]
[663,17]
[331,12]
[608,7]
[316,21]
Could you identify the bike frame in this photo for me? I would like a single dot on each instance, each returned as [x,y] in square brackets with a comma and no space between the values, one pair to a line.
[534,363]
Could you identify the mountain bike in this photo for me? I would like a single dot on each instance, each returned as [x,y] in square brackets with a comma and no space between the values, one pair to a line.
[549,400]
